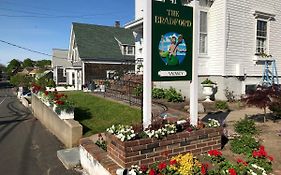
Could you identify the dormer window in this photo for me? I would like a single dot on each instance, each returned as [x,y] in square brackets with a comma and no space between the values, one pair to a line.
[128,50]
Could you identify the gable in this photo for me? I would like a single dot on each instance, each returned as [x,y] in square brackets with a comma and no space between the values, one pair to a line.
[96,42]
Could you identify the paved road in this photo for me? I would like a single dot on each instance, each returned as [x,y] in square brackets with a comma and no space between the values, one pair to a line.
[26,147]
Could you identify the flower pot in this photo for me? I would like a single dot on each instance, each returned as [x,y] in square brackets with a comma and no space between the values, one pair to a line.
[64,115]
[102,88]
[208,90]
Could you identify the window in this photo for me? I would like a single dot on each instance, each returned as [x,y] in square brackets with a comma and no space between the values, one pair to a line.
[261,41]
[203,33]
[130,50]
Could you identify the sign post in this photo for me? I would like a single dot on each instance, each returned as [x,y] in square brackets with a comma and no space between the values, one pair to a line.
[147,83]
[168,50]
[194,83]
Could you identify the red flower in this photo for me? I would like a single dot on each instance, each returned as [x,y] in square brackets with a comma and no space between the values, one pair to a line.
[46,93]
[214,153]
[270,158]
[204,169]
[232,171]
[173,162]
[58,102]
[242,161]
[260,153]
[143,168]
[152,172]
[162,166]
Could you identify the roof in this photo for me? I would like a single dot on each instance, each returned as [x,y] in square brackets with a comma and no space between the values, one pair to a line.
[60,58]
[34,71]
[96,42]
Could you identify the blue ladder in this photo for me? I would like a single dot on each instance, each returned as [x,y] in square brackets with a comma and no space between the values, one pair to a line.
[270,77]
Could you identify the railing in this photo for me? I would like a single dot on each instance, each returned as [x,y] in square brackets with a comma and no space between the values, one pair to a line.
[127,91]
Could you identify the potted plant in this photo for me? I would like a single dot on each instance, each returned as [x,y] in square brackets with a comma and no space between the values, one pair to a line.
[208,89]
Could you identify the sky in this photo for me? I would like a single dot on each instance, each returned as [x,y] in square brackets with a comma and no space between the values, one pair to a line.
[41,25]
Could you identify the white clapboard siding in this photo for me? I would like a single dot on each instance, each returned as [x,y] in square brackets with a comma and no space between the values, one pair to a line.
[240,35]
[216,38]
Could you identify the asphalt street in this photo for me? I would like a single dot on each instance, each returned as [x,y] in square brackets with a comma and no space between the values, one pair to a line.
[26,147]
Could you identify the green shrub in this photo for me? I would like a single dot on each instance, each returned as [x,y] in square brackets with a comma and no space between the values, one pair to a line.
[244,144]
[245,126]
[172,95]
[158,93]
[221,105]
[138,91]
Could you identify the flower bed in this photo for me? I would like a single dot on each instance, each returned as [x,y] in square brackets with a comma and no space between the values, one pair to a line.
[188,164]
[146,151]
[58,102]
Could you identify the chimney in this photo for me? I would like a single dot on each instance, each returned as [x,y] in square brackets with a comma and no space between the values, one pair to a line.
[117,24]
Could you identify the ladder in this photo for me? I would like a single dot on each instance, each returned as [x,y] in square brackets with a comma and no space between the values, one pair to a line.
[270,76]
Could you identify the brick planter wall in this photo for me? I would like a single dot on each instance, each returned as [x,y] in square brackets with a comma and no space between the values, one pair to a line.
[148,151]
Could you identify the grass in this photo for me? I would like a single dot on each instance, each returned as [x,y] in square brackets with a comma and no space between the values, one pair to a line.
[96,113]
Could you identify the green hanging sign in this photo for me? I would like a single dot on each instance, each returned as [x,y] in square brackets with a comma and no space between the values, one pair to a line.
[172,32]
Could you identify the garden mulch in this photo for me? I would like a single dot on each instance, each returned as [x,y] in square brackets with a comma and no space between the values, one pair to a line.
[268,136]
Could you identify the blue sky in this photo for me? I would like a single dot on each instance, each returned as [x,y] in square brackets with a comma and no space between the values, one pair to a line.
[45,24]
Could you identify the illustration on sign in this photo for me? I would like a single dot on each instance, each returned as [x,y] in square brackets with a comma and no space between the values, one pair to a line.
[172,48]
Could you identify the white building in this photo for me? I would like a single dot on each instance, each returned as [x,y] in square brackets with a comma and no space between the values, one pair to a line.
[232,35]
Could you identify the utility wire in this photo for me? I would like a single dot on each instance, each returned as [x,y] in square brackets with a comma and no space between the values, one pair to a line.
[82,16]
[28,49]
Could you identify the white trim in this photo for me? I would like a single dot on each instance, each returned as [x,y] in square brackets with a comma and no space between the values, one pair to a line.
[83,73]
[206,42]
[103,62]
[267,34]
[134,23]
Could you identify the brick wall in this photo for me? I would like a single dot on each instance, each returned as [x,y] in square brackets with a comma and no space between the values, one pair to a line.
[148,151]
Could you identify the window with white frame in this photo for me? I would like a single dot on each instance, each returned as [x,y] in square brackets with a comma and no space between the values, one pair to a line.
[203,33]
[128,50]
[261,36]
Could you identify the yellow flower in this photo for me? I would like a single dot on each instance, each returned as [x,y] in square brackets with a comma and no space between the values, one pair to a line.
[186,163]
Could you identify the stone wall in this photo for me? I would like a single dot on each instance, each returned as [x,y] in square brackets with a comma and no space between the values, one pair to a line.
[150,150]
[69,132]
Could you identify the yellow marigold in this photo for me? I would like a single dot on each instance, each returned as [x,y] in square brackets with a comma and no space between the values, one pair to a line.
[186,163]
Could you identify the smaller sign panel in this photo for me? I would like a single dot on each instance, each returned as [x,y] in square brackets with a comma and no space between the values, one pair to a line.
[172,27]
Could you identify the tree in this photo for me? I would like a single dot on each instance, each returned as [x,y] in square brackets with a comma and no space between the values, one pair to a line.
[2,69]
[13,64]
[21,80]
[27,63]
[43,63]
[261,98]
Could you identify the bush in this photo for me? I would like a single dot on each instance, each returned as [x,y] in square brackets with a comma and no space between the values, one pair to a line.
[138,91]
[158,93]
[275,105]
[229,95]
[245,126]
[222,105]
[244,144]
[172,95]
